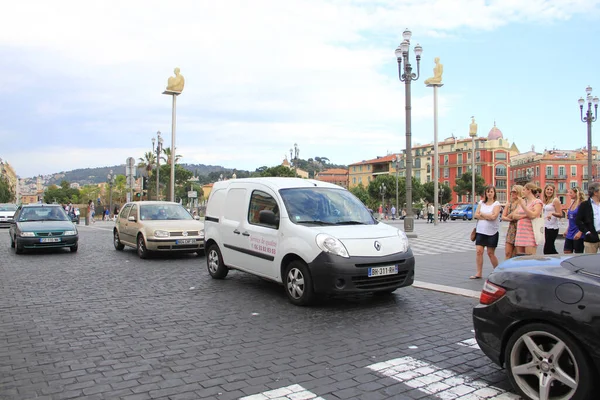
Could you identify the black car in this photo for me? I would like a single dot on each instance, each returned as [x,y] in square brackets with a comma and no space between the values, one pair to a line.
[539,317]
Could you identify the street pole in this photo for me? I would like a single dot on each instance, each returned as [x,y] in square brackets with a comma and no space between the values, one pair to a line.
[436,170]
[382,191]
[397,168]
[473,133]
[588,119]
[173,150]
[407,76]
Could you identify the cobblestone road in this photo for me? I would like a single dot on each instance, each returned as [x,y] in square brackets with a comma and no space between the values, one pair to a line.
[102,324]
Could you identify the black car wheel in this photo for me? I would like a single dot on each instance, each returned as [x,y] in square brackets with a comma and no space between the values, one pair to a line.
[298,284]
[12,242]
[74,248]
[464,217]
[142,250]
[545,363]
[18,247]
[214,263]
[117,242]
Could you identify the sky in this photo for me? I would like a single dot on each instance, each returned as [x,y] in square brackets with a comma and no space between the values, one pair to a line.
[81,82]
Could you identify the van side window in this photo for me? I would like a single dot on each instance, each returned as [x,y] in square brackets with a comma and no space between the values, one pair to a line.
[261,201]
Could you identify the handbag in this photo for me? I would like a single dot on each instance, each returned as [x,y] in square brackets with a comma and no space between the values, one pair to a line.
[538,230]
[473,234]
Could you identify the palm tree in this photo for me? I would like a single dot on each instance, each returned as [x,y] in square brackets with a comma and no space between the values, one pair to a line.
[167,151]
[148,162]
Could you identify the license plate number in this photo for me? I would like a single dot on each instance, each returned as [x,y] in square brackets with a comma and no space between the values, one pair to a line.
[49,240]
[380,271]
[185,241]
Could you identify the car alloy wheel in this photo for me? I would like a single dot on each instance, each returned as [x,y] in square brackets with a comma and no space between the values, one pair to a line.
[141,247]
[117,241]
[298,284]
[214,263]
[544,363]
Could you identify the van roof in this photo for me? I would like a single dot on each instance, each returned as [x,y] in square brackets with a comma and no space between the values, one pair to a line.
[277,183]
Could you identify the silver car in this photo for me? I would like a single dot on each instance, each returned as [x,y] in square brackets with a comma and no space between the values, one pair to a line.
[150,226]
[7,212]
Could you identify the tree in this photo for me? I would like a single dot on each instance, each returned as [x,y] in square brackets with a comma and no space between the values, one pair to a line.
[390,191]
[61,195]
[182,175]
[361,192]
[65,185]
[167,158]
[464,185]
[428,190]
[7,194]
[280,170]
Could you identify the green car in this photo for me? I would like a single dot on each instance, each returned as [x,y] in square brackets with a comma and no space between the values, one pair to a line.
[41,226]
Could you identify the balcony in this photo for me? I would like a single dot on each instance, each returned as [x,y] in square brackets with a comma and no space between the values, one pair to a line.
[562,177]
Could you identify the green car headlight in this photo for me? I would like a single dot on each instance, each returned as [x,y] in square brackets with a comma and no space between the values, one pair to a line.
[70,233]
[27,234]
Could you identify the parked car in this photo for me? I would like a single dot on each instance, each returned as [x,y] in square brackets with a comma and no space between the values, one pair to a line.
[7,212]
[150,226]
[313,237]
[463,211]
[539,317]
[41,226]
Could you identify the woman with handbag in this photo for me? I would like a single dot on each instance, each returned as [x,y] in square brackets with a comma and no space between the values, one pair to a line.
[552,212]
[573,236]
[487,227]
[529,208]
[511,233]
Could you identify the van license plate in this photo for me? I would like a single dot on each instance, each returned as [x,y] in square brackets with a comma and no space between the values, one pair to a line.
[185,241]
[49,240]
[380,271]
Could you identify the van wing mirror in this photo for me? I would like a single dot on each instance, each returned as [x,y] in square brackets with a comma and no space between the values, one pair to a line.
[267,217]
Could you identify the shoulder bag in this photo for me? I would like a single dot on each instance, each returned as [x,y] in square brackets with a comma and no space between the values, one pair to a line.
[538,229]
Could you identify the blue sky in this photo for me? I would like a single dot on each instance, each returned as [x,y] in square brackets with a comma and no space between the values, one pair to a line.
[81,84]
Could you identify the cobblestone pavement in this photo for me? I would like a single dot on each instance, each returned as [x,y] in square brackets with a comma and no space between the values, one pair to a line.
[102,324]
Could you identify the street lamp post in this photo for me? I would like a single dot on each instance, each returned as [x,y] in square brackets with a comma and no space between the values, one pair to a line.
[294,153]
[382,192]
[397,168]
[159,147]
[110,179]
[407,76]
[589,118]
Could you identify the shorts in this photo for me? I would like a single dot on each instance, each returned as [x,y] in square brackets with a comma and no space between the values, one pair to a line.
[487,240]
[572,245]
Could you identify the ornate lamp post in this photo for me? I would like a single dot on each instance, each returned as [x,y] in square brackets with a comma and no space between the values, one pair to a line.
[110,179]
[589,118]
[294,153]
[397,162]
[407,76]
[159,148]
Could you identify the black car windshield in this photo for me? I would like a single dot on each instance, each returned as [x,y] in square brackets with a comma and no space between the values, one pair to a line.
[8,207]
[151,212]
[325,206]
[43,213]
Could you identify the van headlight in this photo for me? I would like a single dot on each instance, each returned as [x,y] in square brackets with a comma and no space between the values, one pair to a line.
[158,233]
[403,241]
[329,244]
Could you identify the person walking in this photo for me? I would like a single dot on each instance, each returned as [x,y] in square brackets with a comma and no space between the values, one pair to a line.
[588,219]
[573,236]
[552,212]
[393,212]
[511,233]
[430,211]
[529,208]
[488,224]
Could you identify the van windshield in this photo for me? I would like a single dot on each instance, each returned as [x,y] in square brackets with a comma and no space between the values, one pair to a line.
[325,206]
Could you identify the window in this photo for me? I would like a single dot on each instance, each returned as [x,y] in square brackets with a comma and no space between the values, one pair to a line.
[418,175]
[537,171]
[446,172]
[549,170]
[418,163]
[354,168]
[428,178]
[502,197]
[562,170]
[500,155]
[500,170]
[445,160]
[562,199]
[369,167]
[428,168]
[258,202]
[500,184]
[360,168]
[478,154]
[354,180]
[573,170]
[561,187]
[584,187]
[458,172]
[360,180]
[134,212]
[573,184]
[125,211]
[478,170]
[460,159]
[469,156]
[585,173]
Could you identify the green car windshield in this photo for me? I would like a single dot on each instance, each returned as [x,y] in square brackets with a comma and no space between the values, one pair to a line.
[41,213]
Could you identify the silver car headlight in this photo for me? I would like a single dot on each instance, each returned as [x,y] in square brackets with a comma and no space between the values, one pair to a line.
[27,234]
[332,245]
[159,233]
[70,233]
[403,241]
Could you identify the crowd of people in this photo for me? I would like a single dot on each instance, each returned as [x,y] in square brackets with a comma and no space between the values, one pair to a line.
[527,207]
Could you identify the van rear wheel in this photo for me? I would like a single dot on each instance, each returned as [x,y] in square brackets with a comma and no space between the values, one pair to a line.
[298,284]
[214,263]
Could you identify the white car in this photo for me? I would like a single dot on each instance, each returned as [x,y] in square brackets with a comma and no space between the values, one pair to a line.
[7,212]
[311,236]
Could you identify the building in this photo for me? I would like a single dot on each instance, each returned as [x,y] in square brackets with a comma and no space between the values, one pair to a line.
[7,171]
[562,168]
[492,161]
[300,172]
[338,176]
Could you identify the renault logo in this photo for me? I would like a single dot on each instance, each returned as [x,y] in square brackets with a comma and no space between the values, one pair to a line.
[377,245]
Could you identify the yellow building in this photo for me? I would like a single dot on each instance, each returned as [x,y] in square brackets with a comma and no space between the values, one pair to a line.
[6,170]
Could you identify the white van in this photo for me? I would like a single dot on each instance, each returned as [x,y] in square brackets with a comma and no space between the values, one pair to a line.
[312,236]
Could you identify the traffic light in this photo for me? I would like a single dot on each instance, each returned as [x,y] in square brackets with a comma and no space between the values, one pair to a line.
[138,195]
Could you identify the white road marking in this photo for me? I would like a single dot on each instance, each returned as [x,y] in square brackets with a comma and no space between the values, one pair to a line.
[472,343]
[447,289]
[292,392]
[441,383]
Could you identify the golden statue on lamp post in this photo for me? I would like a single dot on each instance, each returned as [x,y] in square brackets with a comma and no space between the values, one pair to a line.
[174,88]
[438,70]
[175,83]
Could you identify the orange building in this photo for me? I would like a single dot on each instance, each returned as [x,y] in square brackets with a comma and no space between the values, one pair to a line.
[338,176]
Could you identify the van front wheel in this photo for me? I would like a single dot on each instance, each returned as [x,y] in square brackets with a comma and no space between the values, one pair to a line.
[214,263]
[298,284]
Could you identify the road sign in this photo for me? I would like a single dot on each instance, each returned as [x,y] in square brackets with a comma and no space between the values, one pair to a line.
[192,194]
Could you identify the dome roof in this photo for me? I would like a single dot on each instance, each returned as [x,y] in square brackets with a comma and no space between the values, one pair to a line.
[495,133]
